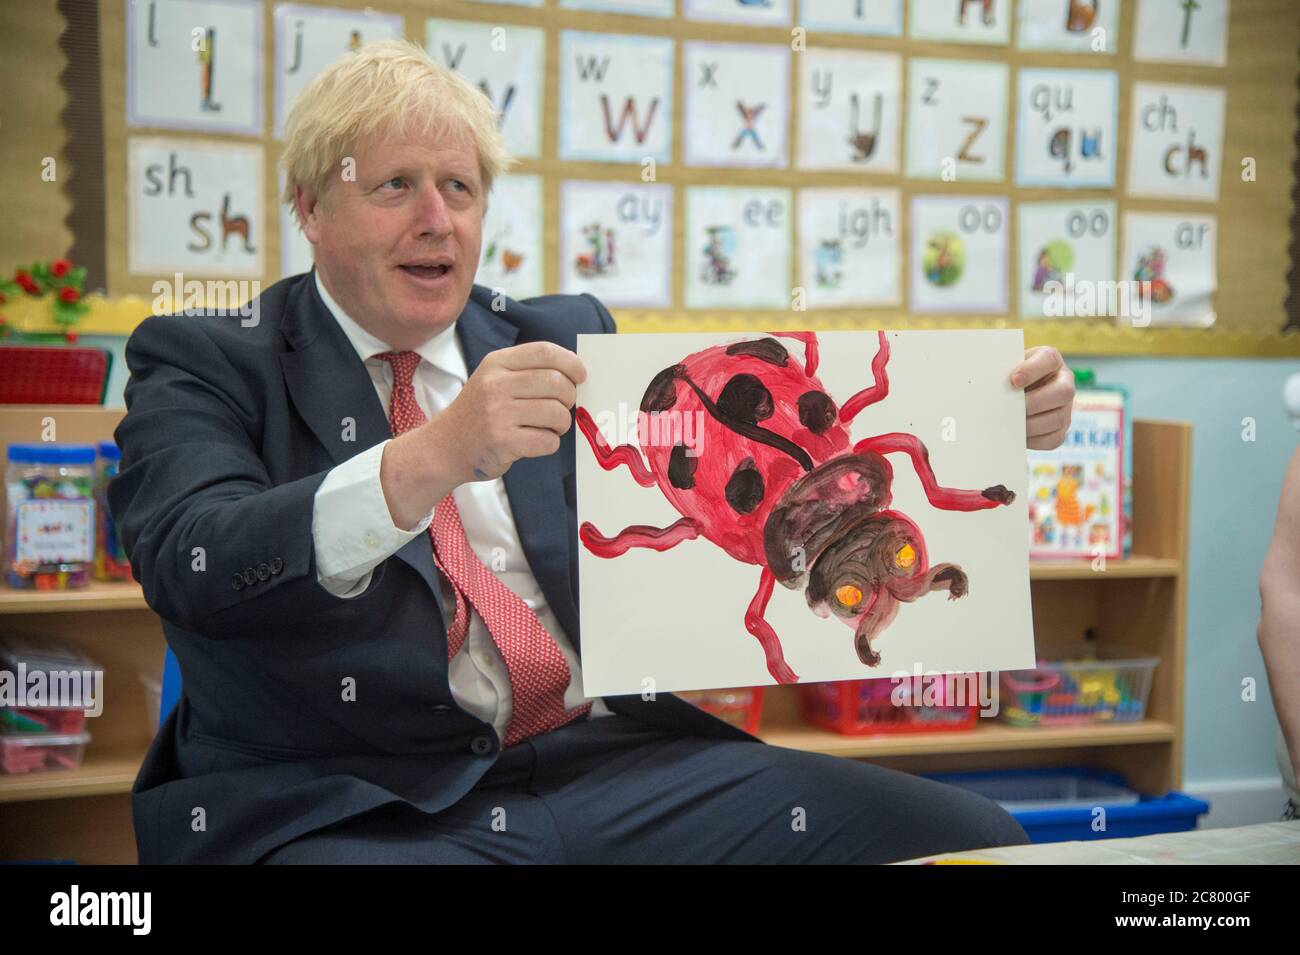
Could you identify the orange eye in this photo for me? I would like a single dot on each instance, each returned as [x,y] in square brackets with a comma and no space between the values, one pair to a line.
[906,556]
[848,595]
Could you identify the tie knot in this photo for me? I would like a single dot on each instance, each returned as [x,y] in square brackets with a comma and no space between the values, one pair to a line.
[404,364]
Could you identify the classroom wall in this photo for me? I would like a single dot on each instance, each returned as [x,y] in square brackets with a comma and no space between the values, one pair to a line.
[30,130]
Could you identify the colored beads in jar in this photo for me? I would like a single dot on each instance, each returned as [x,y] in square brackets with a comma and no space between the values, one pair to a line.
[50,516]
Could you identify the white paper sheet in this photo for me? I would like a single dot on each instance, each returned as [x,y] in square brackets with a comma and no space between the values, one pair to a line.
[675,619]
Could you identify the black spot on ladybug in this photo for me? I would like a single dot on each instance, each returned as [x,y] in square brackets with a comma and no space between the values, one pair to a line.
[661,393]
[816,411]
[748,428]
[765,349]
[681,468]
[746,399]
[745,487]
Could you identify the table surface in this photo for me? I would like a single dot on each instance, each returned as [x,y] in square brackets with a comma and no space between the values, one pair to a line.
[1270,843]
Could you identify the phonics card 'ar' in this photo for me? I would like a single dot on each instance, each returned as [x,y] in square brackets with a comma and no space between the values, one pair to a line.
[877,477]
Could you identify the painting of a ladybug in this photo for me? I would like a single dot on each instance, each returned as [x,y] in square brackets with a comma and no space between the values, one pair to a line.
[772,476]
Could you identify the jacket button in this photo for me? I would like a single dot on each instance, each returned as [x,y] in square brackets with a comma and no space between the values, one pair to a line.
[250,576]
[481,746]
[277,565]
[263,570]
[238,582]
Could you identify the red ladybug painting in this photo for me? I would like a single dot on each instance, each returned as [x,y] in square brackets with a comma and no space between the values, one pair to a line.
[775,480]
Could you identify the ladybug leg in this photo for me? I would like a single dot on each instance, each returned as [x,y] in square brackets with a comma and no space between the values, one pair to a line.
[882,613]
[878,391]
[950,499]
[638,535]
[947,577]
[810,353]
[767,637]
[610,458]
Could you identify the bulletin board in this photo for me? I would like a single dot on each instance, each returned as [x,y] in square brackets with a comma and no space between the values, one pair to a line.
[698,280]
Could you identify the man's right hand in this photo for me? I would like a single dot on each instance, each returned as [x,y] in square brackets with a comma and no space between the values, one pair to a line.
[516,404]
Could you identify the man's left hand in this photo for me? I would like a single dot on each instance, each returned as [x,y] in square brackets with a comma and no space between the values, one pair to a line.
[1049,396]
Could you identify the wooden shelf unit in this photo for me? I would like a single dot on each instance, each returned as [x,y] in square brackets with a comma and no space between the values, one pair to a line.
[1135,607]
[1132,608]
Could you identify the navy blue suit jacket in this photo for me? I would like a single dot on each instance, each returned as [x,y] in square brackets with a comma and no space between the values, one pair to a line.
[229,431]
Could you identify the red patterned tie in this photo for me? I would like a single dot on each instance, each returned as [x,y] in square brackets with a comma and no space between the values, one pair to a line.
[539,674]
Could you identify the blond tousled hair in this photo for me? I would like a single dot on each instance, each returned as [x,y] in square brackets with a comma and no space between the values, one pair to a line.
[389,86]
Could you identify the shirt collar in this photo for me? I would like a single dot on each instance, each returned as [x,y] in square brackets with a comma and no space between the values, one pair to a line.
[442,350]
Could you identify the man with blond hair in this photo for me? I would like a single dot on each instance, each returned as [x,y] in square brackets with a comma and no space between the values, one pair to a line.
[357,521]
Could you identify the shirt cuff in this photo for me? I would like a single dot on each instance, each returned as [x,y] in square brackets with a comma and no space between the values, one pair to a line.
[352,528]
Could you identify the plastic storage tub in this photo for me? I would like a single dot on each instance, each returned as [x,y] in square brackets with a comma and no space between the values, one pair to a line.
[1077,692]
[1057,804]
[868,707]
[741,706]
[30,753]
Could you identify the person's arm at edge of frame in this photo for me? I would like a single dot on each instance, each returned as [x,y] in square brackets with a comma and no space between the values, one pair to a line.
[1279,621]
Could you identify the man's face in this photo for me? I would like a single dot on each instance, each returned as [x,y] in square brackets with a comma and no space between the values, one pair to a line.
[381,239]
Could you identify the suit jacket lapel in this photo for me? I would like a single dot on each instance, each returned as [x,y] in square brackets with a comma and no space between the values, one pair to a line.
[330,388]
[335,395]
[534,486]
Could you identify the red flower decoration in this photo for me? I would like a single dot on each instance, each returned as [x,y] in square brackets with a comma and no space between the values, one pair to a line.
[60,267]
[69,295]
[71,337]
[22,277]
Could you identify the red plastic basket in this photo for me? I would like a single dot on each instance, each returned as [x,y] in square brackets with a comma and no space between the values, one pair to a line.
[867,707]
[45,375]
[741,706]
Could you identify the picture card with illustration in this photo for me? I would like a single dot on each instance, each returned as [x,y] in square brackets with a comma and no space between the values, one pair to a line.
[956,120]
[308,39]
[849,247]
[506,64]
[616,97]
[194,65]
[737,102]
[616,242]
[1170,257]
[194,206]
[849,114]
[511,256]
[738,247]
[959,253]
[878,477]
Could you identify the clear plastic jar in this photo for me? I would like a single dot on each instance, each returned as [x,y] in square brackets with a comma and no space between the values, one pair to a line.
[50,517]
[110,556]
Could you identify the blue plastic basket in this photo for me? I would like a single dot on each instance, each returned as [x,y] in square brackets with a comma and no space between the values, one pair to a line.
[1056,804]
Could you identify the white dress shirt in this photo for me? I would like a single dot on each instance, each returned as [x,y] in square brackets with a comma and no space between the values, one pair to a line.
[353,530]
